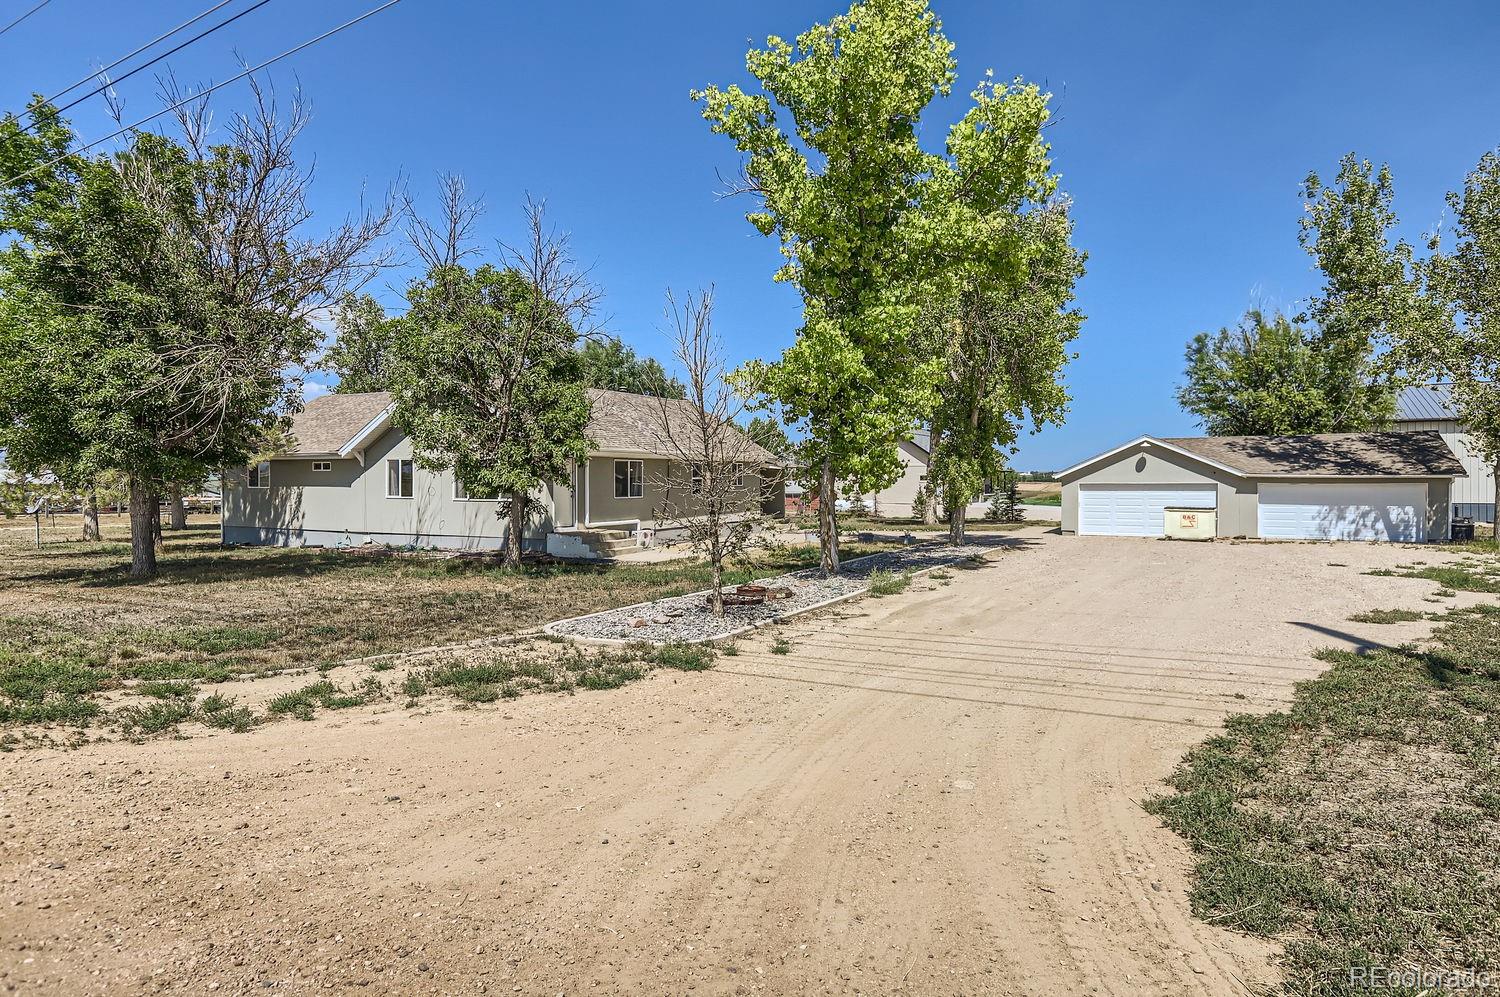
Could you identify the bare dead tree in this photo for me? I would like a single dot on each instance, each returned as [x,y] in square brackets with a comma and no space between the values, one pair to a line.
[714,470]
[448,239]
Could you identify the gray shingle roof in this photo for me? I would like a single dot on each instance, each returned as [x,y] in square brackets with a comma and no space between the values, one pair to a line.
[1329,454]
[328,422]
[625,423]
[1426,403]
[620,422]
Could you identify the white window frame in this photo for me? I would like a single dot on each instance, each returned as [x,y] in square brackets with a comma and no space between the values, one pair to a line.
[258,476]
[697,479]
[469,498]
[322,465]
[399,461]
[635,483]
[739,476]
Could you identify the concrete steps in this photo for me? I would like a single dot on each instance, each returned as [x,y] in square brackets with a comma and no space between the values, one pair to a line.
[607,543]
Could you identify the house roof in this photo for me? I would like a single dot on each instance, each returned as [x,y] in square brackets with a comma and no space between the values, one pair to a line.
[329,423]
[1426,403]
[620,422]
[1415,454]
[1420,454]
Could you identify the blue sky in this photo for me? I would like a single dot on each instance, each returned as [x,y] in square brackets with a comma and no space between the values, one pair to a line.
[1183,132]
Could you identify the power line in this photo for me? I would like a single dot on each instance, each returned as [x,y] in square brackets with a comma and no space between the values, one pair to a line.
[204,93]
[24,16]
[150,62]
[132,55]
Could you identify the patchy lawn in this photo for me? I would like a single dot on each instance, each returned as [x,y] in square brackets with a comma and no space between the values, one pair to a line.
[856,523]
[74,627]
[1360,826]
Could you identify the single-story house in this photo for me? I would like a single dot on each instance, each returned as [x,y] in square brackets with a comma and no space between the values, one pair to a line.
[899,500]
[349,477]
[1431,407]
[1335,486]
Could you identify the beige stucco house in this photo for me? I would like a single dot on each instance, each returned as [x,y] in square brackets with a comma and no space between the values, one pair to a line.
[899,500]
[350,478]
[1338,486]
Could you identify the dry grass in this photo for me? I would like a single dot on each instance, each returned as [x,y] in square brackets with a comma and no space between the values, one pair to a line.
[73,625]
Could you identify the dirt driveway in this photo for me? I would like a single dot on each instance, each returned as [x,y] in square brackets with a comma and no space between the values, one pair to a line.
[933,793]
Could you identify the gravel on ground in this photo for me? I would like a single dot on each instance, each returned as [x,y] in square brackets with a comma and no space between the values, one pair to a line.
[688,618]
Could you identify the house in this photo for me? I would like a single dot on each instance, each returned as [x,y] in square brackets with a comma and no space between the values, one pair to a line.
[1336,486]
[1431,407]
[899,500]
[350,477]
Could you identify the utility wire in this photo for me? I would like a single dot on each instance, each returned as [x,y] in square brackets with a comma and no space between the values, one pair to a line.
[204,93]
[24,16]
[150,62]
[132,55]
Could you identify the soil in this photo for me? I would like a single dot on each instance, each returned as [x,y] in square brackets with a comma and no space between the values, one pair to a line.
[935,792]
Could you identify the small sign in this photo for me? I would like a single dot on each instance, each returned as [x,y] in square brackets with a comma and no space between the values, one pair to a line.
[1189,520]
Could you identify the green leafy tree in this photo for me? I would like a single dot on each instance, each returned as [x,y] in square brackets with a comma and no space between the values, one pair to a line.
[1465,348]
[1002,319]
[156,298]
[771,435]
[486,375]
[1270,376]
[1371,296]
[609,363]
[839,186]
[360,354]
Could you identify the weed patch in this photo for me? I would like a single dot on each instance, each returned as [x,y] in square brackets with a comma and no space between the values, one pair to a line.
[1359,826]
[1388,616]
[883,583]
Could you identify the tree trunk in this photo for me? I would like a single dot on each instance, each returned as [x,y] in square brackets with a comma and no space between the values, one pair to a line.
[957,535]
[517,525]
[91,515]
[828,527]
[156,521]
[143,529]
[176,510]
[716,576]
[930,500]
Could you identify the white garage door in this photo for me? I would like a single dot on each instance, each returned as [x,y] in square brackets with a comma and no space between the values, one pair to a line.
[1136,510]
[1347,511]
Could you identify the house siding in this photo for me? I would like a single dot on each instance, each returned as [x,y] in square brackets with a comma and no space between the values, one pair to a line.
[1474,494]
[347,505]
[1238,499]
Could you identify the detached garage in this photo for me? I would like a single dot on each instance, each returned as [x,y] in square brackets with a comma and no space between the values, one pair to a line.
[1336,486]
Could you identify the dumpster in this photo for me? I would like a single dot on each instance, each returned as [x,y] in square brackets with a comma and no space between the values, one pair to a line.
[1463,529]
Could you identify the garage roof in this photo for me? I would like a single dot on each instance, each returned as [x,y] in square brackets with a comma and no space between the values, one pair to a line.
[1334,455]
[1426,403]
[1421,454]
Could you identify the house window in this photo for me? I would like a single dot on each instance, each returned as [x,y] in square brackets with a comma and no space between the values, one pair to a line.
[462,494]
[630,479]
[739,476]
[259,475]
[697,478]
[398,476]
[322,465]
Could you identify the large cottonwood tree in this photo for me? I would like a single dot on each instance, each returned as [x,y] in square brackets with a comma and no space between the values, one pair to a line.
[839,184]
[1001,318]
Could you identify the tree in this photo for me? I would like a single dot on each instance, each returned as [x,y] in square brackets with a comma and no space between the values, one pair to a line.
[485,372]
[707,452]
[1001,321]
[609,363]
[1370,297]
[1272,377]
[359,356]
[163,294]
[769,434]
[1005,506]
[1465,348]
[840,189]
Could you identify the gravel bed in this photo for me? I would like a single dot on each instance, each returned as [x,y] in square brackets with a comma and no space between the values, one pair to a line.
[687,618]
